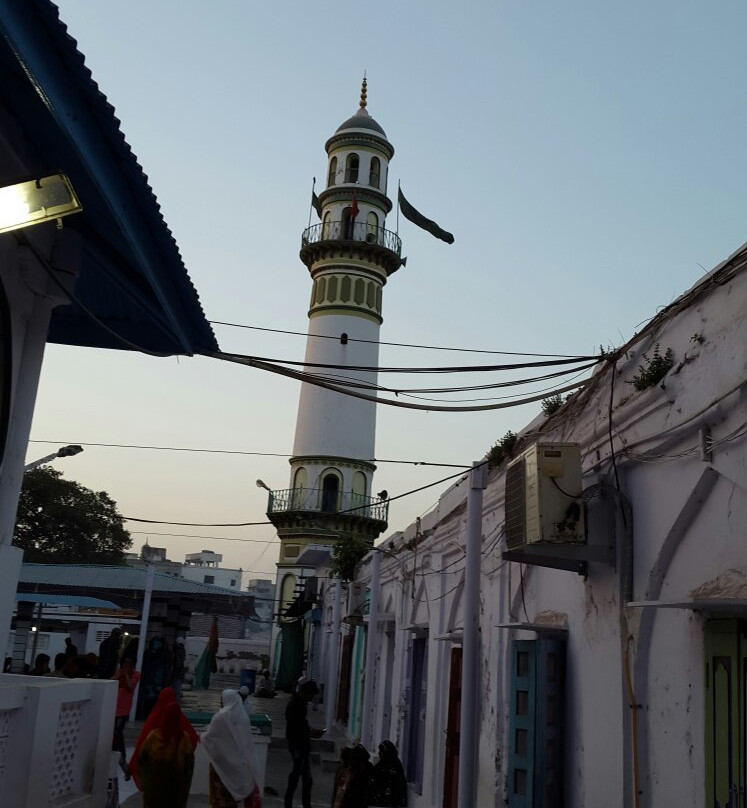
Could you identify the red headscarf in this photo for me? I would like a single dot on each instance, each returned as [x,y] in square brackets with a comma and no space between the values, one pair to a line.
[164,716]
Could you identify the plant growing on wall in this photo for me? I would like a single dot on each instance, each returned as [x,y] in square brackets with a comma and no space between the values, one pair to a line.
[654,370]
[346,555]
[501,450]
[552,404]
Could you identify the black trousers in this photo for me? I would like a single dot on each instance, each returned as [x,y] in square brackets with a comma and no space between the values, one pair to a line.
[118,742]
[301,771]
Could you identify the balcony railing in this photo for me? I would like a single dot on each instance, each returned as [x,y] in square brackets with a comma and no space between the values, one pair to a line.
[352,231]
[316,500]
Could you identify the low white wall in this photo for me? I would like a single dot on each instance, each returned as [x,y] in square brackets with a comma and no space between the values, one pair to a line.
[55,741]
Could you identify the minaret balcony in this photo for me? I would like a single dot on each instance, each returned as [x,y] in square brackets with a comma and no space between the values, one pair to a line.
[381,244]
[316,502]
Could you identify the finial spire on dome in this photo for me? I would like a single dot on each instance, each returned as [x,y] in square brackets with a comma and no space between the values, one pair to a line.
[364,92]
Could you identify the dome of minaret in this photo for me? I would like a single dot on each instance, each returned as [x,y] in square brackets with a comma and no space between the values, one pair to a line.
[361,119]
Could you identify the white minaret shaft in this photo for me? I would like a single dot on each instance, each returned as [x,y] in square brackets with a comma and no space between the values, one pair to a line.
[350,255]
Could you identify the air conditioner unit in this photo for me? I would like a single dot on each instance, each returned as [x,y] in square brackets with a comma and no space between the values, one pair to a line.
[544,503]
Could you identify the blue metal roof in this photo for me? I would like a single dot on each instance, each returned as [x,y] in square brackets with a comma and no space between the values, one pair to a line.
[132,275]
[66,600]
[123,578]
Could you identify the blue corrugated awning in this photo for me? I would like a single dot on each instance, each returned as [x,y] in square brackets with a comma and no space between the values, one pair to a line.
[66,600]
[132,276]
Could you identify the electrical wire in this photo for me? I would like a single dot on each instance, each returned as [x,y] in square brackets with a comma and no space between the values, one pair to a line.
[237,452]
[167,448]
[252,524]
[492,398]
[523,602]
[392,344]
[414,490]
[355,383]
[213,538]
[193,524]
[446,369]
[300,376]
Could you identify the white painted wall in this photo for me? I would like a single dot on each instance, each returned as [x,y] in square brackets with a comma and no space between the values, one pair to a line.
[661,471]
[56,741]
[329,424]
[31,297]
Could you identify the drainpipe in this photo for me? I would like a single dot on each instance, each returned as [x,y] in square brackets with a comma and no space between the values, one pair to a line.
[149,579]
[330,691]
[372,650]
[471,643]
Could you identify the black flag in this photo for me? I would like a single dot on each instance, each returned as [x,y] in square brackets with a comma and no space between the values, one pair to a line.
[416,217]
[316,204]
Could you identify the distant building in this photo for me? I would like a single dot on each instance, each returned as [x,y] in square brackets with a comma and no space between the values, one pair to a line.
[203,567]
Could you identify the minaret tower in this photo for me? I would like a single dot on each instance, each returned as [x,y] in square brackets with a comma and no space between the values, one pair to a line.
[350,255]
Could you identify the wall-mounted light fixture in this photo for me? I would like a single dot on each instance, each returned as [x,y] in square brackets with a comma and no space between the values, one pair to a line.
[37,201]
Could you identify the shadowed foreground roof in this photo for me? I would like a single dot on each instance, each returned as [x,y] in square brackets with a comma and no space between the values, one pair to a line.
[132,276]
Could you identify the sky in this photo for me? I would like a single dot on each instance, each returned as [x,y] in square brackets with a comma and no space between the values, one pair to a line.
[588,157]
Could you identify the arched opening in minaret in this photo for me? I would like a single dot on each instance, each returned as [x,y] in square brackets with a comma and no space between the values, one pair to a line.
[351,167]
[372,227]
[347,224]
[330,492]
[374,173]
[299,485]
[332,176]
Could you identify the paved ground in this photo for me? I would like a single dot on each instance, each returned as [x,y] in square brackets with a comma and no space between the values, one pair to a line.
[278,759]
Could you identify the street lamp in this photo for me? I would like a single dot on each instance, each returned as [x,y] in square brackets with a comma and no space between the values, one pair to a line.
[65,451]
[263,484]
[37,201]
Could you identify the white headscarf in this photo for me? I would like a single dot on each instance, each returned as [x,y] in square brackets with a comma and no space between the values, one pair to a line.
[229,745]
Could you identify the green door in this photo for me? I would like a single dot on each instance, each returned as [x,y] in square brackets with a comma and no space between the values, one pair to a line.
[726,701]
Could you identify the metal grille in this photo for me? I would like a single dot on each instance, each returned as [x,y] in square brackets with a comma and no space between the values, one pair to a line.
[6,724]
[516,505]
[63,779]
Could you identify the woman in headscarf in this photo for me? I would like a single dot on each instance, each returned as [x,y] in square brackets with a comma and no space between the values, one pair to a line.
[155,720]
[356,793]
[229,745]
[166,762]
[389,787]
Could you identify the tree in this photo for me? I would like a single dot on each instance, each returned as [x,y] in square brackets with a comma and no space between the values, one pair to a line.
[61,522]
[347,552]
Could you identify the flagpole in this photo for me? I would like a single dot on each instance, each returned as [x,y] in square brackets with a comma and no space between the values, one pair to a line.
[311,206]
[398,182]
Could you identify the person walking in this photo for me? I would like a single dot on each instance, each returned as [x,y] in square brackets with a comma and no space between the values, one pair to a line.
[234,767]
[179,668]
[156,719]
[109,654]
[298,733]
[389,784]
[166,762]
[127,678]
